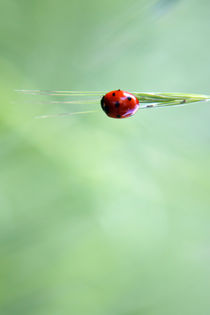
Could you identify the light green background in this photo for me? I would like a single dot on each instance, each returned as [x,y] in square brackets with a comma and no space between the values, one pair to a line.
[101,216]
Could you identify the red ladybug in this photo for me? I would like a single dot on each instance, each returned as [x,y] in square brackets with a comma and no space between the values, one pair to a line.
[119,104]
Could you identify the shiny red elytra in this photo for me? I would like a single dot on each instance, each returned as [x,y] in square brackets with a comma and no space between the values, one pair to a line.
[119,104]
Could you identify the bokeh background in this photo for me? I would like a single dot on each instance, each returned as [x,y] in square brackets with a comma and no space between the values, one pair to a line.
[101,216]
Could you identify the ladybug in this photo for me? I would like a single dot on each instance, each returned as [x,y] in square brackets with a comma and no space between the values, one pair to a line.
[119,104]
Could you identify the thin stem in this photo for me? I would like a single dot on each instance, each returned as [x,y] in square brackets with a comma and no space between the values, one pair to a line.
[170,97]
[65,114]
[153,99]
[60,93]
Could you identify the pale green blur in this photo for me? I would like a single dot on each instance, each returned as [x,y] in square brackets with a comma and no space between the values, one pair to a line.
[101,216]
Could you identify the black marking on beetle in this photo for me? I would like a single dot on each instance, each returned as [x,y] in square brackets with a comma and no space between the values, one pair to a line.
[113,94]
[129,98]
[106,109]
[118,116]
[102,102]
[119,90]
[117,104]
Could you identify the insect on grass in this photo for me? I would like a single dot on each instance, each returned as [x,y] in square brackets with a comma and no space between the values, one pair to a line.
[117,103]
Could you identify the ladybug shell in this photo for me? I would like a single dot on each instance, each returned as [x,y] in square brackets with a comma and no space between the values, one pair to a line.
[119,104]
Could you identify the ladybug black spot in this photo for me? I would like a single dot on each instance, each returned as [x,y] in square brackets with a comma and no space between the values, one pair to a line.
[117,104]
[118,116]
[113,94]
[129,98]
[119,90]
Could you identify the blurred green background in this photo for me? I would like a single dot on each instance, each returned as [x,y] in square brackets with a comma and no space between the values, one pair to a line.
[101,216]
